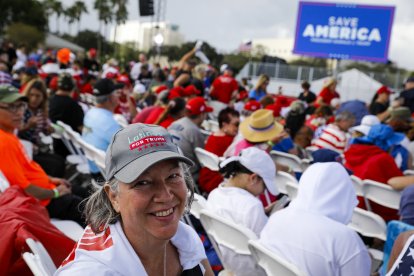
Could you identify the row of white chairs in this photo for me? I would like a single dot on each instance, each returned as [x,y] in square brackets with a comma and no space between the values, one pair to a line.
[83,150]
[239,239]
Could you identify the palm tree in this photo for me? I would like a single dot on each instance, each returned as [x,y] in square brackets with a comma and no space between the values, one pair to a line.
[58,10]
[80,8]
[49,7]
[121,13]
[104,15]
[71,16]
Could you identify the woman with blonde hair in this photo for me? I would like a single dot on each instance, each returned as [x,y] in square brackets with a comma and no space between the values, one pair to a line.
[260,90]
[327,93]
[134,219]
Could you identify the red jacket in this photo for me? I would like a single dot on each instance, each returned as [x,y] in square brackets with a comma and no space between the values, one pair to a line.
[371,162]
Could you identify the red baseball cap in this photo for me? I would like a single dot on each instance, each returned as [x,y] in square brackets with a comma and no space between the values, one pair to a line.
[197,105]
[252,105]
[175,92]
[123,79]
[190,90]
[160,89]
[384,89]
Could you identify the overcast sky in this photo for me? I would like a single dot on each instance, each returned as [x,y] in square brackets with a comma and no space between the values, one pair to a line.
[226,23]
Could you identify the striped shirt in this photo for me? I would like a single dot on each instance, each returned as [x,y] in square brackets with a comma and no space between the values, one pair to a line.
[331,138]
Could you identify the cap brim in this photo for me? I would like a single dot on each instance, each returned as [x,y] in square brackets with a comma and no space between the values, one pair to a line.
[134,169]
[209,109]
[119,85]
[271,186]
[14,97]
[361,128]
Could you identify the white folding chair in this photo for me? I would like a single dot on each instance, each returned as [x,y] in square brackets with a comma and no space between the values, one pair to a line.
[214,125]
[368,224]
[408,172]
[224,232]
[94,154]
[292,189]
[72,143]
[68,227]
[357,182]
[34,263]
[273,264]
[381,193]
[207,159]
[28,148]
[282,178]
[121,120]
[45,261]
[4,183]
[199,203]
[289,160]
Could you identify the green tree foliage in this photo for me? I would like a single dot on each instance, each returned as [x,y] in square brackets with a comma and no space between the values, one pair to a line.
[307,61]
[88,39]
[29,12]
[20,33]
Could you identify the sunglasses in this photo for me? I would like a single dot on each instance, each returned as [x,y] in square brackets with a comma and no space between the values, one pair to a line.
[14,107]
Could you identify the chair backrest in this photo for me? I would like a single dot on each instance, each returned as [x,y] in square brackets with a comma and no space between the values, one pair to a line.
[357,182]
[34,263]
[4,183]
[39,250]
[368,224]
[94,154]
[381,193]
[68,138]
[292,189]
[273,264]
[121,120]
[282,178]
[207,159]
[213,125]
[199,203]
[227,233]
[287,159]
[28,148]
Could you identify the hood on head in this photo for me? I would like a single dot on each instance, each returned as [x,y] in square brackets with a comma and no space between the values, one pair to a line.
[326,189]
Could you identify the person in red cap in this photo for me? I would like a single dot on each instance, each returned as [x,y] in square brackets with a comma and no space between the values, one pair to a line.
[127,105]
[380,103]
[90,64]
[187,131]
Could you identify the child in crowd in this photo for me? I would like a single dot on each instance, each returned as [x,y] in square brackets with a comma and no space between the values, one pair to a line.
[246,177]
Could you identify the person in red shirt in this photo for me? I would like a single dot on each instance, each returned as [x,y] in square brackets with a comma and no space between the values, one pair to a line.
[327,93]
[225,87]
[217,143]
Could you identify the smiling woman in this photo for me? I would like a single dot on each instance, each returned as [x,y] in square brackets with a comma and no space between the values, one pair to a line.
[134,218]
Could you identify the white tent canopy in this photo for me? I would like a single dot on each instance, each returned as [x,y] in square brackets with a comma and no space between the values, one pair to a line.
[352,84]
[54,41]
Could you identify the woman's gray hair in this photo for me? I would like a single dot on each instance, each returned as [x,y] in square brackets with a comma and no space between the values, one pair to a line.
[100,214]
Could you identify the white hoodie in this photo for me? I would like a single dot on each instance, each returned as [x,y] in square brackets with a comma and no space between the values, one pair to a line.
[312,233]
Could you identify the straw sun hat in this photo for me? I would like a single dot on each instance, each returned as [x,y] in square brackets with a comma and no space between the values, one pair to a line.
[260,126]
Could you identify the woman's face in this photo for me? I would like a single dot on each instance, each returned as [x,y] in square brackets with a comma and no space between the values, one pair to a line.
[35,98]
[152,206]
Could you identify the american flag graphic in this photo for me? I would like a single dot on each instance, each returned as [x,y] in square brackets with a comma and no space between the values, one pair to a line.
[404,265]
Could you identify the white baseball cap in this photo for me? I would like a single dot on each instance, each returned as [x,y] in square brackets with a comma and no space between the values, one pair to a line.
[259,162]
[366,123]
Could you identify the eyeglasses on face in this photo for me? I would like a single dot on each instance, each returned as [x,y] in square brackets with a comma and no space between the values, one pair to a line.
[14,107]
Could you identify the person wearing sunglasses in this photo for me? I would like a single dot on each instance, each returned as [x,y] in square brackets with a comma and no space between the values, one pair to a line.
[53,193]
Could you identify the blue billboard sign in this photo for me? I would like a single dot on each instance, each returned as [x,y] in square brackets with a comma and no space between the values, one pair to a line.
[343,31]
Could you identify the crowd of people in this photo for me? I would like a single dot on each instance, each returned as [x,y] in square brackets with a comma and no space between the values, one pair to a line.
[150,119]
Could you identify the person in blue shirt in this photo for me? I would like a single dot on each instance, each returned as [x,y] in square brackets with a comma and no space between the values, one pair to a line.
[260,90]
[99,124]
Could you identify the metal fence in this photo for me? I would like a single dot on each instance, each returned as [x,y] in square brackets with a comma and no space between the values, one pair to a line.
[300,73]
